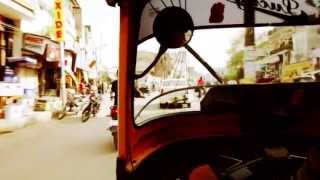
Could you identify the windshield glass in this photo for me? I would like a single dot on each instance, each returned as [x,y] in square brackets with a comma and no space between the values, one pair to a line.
[287,54]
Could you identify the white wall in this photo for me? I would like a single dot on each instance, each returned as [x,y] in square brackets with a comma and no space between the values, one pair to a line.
[28,78]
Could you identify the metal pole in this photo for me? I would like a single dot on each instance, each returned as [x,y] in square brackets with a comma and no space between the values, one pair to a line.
[63,76]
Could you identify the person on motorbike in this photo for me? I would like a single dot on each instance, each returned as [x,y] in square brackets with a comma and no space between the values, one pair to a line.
[94,102]
[200,89]
[70,100]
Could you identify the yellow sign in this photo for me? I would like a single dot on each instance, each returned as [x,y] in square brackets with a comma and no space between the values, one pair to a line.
[291,71]
[59,20]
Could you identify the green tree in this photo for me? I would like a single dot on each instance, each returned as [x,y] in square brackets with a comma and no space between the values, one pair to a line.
[105,78]
[236,60]
[234,66]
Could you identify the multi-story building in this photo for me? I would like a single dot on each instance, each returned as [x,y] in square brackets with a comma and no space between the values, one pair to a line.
[12,13]
[28,47]
[291,51]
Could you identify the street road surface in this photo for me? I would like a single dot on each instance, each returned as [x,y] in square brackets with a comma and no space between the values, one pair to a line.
[59,150]
[153,109]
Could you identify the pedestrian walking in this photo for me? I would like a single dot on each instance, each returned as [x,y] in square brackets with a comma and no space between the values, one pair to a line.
[114,90]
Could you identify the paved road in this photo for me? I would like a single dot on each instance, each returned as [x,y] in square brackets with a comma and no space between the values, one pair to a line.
[59,150]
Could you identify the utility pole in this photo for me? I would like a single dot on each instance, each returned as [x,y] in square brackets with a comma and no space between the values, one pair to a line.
[63,75]
[249,41]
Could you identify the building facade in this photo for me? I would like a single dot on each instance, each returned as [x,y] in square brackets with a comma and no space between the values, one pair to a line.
[29,54]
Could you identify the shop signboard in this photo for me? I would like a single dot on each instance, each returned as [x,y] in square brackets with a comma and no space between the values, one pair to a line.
[292,70]
[59,20]
[11,89]
[250,53]
[53,52]
[34,43]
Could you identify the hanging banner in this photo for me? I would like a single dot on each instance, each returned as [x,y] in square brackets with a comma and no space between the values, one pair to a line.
[59,20]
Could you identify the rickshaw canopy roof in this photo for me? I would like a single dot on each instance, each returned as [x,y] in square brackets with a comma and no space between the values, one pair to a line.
[224,13]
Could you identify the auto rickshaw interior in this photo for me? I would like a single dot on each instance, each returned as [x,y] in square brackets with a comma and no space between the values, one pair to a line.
[235,109]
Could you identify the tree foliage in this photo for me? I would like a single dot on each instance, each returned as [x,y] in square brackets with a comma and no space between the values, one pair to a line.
[105,78]
[233,66]
[236,60]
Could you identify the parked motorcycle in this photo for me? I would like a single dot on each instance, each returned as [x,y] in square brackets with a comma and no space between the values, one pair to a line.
[113,130]
[114,112]
[92,108]
[74,105]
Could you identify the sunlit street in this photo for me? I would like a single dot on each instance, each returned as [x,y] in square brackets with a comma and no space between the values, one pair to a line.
[159,89]
[65,149]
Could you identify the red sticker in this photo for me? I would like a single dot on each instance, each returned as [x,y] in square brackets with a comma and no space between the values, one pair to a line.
[217,13]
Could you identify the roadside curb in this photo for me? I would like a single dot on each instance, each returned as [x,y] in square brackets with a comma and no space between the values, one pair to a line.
[7,125]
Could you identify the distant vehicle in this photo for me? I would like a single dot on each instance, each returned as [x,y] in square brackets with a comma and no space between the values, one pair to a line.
[73,106]
[307,77]
[114,112]
[232,82]
[92,108]
[171,84]
[178,99]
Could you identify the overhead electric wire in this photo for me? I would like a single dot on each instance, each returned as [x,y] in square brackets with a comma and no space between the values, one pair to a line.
[164,3]
[153,8]
[172,3]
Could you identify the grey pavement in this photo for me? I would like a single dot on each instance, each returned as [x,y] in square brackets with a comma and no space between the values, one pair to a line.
[59,150]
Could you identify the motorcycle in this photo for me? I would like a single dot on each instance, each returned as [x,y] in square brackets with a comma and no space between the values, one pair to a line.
[113,130]
[114,112]
[74,105]
[92,108]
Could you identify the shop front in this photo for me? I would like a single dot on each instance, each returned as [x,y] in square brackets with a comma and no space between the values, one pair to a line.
[14,65]
[70,68]
[7,29]
[10,88]
[52,70]
[269,69]
[30,71]
[290,72]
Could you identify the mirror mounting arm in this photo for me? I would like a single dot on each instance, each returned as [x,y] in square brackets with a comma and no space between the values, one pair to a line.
[198,57]
[162,50]
[113,2]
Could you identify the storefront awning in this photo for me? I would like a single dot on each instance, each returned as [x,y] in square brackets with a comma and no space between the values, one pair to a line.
[21,60]
[269,60]
[24,61]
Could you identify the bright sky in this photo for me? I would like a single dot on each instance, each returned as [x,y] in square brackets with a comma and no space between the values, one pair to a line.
[212,45]
[104,21]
